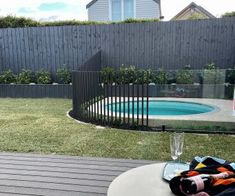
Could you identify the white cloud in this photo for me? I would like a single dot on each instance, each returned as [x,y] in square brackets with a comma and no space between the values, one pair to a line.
[76,9]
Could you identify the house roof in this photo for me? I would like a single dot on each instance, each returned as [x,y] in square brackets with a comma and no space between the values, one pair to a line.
[194,5]
[93,1]
[90,4]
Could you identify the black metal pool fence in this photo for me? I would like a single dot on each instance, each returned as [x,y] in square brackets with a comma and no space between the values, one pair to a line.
[117,100]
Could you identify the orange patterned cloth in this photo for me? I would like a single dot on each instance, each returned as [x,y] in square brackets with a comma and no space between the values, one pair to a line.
[208,165]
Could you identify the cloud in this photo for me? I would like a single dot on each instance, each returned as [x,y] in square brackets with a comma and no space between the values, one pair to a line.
[25,10]
[66,10]
[52,6]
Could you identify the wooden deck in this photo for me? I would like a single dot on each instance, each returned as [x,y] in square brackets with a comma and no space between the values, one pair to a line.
[31,174]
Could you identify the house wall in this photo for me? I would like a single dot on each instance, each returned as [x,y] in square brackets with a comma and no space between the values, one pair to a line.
[99,11]
[147,9]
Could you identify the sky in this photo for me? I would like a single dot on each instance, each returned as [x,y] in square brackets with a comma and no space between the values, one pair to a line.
[51,10]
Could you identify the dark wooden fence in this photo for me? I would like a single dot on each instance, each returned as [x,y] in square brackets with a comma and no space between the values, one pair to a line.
[157,44]
[36,91]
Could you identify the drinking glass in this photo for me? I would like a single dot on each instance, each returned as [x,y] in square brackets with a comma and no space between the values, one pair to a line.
[179,137]
[174,147]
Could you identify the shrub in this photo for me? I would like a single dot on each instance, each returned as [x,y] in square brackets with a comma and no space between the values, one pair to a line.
[64,75]
[127,75]
[13,22]
[43,77]
[132,20]
[184,76]
[8,77]
[107,75]
[25,77]
[70,23]
[228,14]
[212,75]
[171,76]
[230,76]
[160,77]
[210,66]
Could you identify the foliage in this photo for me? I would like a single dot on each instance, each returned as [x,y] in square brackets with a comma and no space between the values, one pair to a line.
[107,75]
[25,77]
[171,77]
[144,76]
[210,66]
[230,76]
[14,22]
[213,75]
[8,77]
[43,77]
[132,20]
[184,76]
[64,75]
[228,14]
[70,23]
[127,75]
[160,77]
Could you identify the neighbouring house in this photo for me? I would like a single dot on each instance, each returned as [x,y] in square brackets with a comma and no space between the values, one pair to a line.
[193,11]
[118,10]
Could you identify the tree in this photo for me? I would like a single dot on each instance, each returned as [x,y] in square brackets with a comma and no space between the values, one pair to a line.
[228,14]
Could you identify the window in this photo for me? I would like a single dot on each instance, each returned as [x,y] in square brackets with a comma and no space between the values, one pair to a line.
[116,10]
[128,9]
[122,9]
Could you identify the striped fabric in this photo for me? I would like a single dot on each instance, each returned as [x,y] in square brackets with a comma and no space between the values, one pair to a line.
[209,165]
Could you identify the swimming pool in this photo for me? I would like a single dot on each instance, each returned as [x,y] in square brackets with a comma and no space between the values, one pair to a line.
[160,108]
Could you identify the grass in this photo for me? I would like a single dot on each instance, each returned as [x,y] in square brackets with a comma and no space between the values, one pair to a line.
[41,126]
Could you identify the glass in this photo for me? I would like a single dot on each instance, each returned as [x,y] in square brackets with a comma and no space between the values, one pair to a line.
[173,147]
[128,9]
[180,143]
[116,10]
[176,145]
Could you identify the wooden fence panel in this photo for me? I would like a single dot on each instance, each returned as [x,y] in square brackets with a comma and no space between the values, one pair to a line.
[170,45]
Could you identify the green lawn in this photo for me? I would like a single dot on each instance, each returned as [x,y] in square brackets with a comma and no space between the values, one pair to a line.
[41,126]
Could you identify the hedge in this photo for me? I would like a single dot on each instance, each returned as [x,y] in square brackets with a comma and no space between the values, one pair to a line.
[15,22]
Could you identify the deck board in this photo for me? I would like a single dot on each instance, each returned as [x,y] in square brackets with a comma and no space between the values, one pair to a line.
[55,175]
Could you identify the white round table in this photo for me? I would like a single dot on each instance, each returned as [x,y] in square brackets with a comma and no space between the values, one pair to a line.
[141,181]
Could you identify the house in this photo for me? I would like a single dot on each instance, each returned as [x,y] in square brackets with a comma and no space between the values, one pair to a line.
[193,11]
[118,10]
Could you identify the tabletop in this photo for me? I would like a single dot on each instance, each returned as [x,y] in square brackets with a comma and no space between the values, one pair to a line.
[141,181]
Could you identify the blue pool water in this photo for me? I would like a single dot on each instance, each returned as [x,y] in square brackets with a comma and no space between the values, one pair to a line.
[161,107]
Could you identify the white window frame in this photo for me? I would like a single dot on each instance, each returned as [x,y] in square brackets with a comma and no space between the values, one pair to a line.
[122,11]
